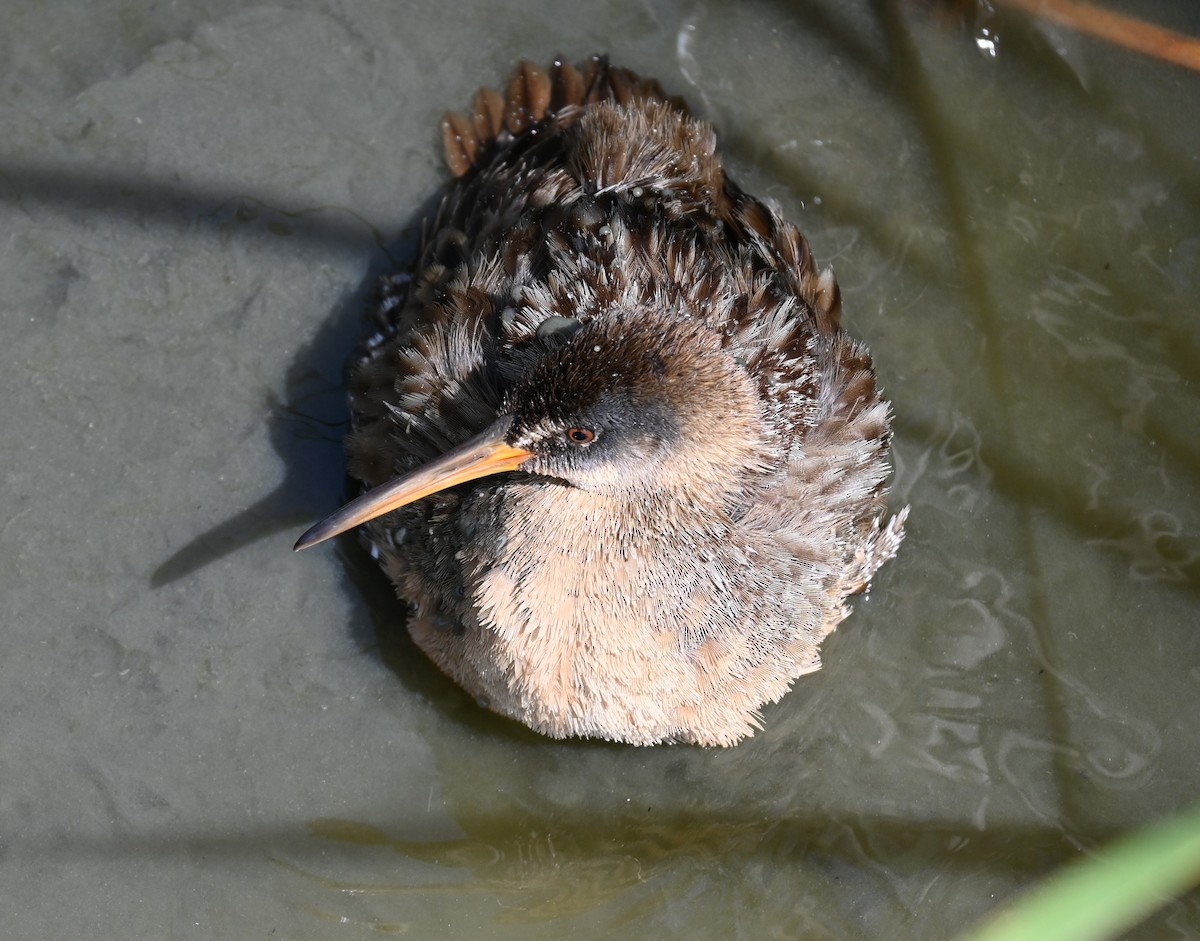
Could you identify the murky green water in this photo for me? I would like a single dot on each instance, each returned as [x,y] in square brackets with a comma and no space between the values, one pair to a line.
[206,736]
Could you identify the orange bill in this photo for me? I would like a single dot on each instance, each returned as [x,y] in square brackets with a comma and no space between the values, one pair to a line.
[486,453]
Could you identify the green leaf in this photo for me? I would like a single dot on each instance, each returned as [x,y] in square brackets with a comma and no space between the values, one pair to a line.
[1100,897]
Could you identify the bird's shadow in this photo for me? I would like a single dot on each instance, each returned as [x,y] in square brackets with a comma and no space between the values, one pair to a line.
[306,428]
[307,431]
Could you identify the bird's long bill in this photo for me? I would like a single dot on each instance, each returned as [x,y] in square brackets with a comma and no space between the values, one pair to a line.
[486,453]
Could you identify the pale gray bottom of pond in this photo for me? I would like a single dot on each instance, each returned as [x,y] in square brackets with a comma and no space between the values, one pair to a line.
[207,736]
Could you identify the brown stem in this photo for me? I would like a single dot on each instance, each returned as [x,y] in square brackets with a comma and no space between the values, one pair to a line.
[1117,28]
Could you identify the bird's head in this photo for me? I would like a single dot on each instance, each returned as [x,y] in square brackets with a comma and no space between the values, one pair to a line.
[633,404]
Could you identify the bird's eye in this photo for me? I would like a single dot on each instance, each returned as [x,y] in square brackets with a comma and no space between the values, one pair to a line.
[581,436]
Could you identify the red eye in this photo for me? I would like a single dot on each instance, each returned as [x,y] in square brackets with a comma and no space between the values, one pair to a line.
[581,435]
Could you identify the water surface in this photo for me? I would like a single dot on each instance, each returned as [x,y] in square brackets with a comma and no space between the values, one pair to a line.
[206,736]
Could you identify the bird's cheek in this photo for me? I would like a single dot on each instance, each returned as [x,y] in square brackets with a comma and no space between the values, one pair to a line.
[615,476]
[558,467]
[644,453]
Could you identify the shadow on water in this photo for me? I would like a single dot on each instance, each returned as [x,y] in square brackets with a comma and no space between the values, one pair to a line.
[172,204]
[306,431]
[554,864]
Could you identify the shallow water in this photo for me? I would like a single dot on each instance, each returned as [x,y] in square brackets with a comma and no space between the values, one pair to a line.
[207,736]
